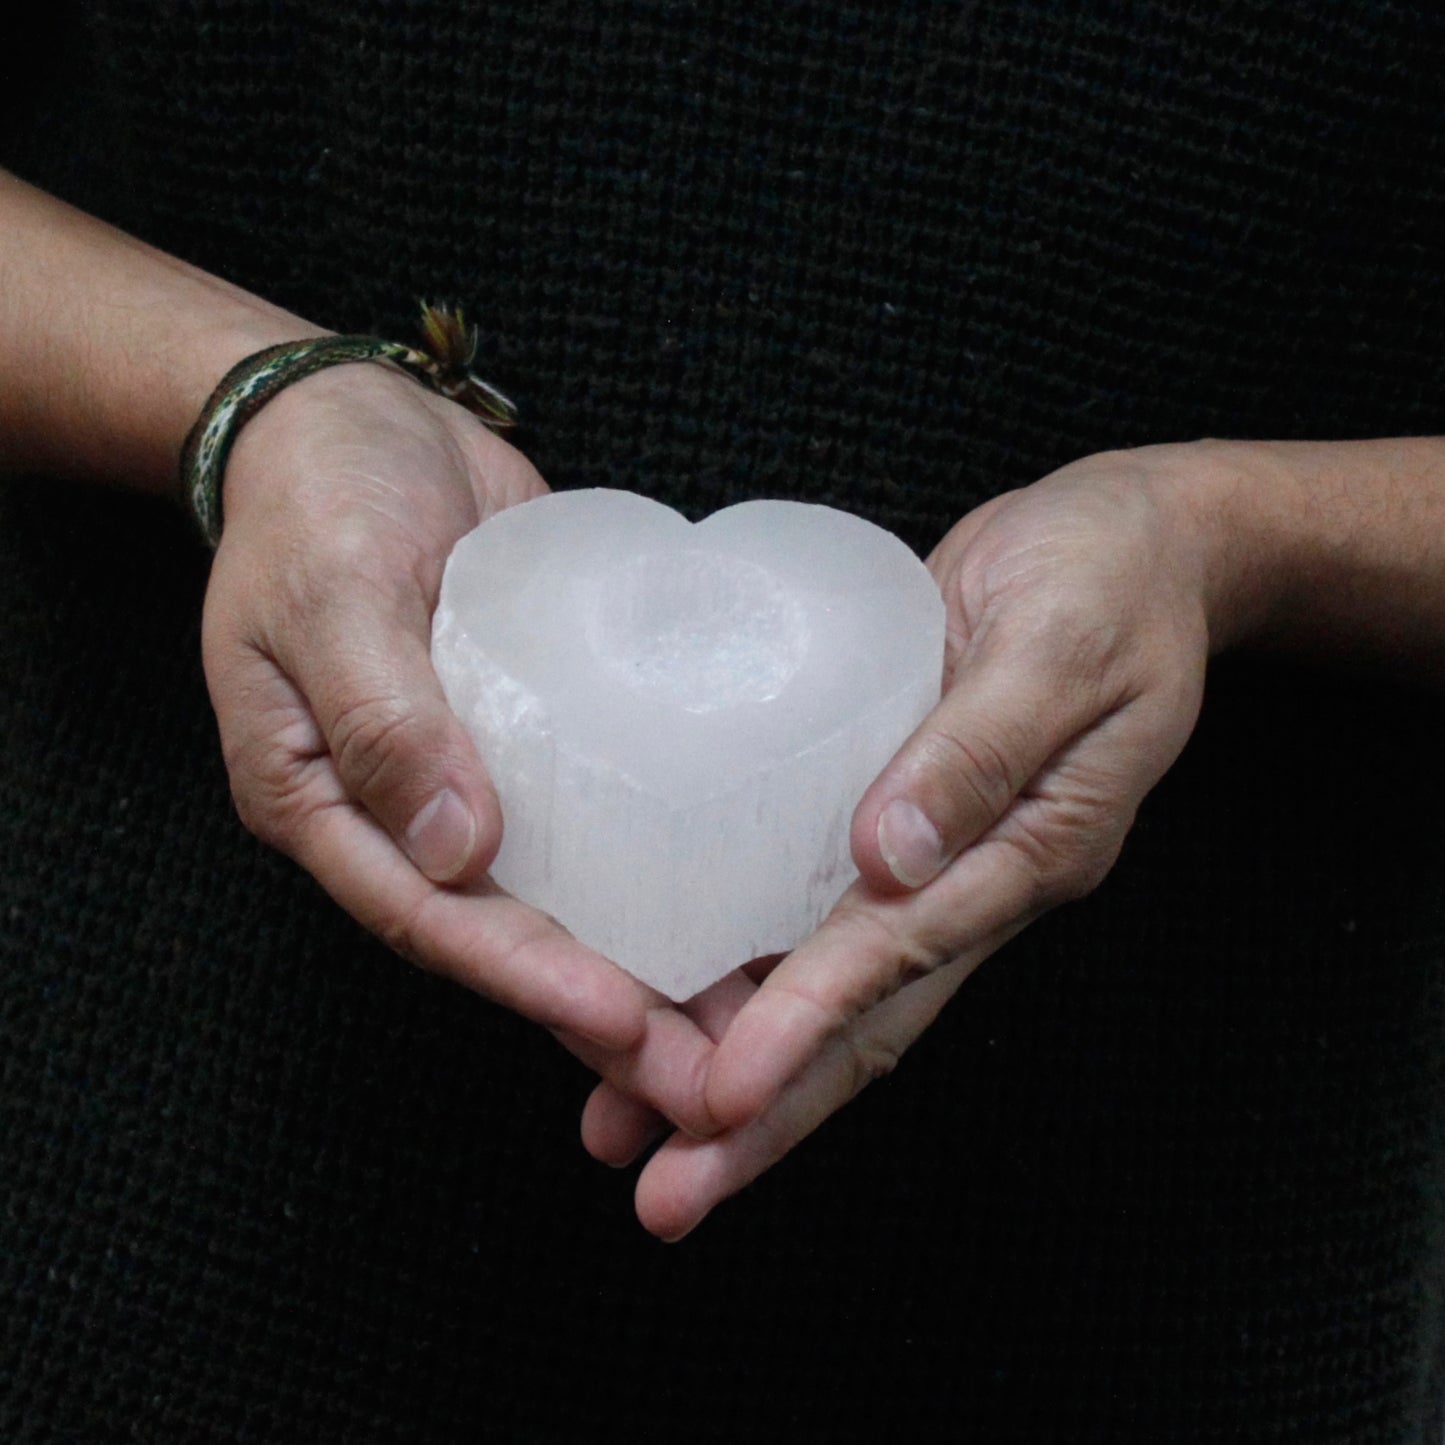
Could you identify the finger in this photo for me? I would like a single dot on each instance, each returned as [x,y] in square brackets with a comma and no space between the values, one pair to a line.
[361,657]
[1010,709]
[665,1069]
[687,1178]
[865,950]
[1056,843]
[665,1074]
[760,968]
[616,1128]
[289,794]
[714,1008]
[481,937]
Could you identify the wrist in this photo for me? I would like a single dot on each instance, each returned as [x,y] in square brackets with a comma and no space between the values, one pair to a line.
[183,371]
[290,440]
[1325,548]
[437,369]
[1230,501]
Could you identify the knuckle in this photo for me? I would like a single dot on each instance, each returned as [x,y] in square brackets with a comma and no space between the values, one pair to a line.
[900,956]
[869,1059]
[1061,868]
[830,1017]
[275,811]
[264,794]
[403,929]
[256,817]
[367,739]
[975,772]
[1080,876]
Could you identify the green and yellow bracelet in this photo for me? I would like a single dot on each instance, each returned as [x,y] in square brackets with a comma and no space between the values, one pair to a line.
[442,362]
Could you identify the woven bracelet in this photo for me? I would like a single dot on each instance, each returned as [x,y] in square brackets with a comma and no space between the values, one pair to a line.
[442,363]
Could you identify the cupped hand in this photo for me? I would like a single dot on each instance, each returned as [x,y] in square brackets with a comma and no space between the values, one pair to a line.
[343,498]
[1077,638]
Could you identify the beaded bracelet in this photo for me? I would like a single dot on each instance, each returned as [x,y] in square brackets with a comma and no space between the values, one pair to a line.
[443,363]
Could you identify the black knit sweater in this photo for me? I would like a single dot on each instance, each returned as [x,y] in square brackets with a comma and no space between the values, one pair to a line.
[1170,1168]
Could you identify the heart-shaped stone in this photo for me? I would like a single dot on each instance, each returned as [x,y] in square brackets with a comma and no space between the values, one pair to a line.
[680,718]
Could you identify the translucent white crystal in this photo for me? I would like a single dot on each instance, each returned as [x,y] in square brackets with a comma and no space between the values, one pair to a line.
[680,718]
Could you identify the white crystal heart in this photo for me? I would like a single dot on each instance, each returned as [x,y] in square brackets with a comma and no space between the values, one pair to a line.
[680,718]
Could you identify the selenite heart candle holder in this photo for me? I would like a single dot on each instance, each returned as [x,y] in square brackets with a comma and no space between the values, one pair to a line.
[681,718]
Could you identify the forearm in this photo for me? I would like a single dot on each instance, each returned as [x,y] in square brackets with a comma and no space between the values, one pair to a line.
[108,347]
[1326,548]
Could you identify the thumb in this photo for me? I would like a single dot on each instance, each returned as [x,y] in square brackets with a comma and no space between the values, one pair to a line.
[397,747]
[960,771]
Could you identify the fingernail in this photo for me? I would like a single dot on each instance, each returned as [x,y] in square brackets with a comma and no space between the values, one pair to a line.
[909,843]
[439,840]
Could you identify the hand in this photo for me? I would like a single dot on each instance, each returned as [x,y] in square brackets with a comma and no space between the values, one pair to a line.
[343,498]
[1077,638]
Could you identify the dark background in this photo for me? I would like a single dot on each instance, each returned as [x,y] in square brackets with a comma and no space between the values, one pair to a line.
[1169,1168]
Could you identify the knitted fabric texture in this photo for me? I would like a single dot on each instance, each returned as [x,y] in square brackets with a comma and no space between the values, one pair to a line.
[1170,1166]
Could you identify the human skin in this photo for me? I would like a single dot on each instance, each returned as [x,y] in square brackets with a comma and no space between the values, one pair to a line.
[343,498]
[1082,611]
